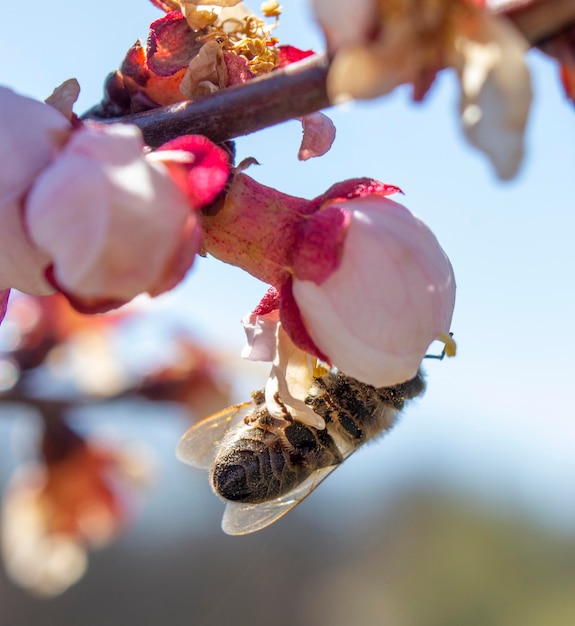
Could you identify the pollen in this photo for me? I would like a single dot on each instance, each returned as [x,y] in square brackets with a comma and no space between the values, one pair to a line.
[271,8]
[250,38]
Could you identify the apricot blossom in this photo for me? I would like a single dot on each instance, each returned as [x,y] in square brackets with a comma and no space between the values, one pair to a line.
[357,280]
[392,294]
[54,510]
[85,211]
[112,222]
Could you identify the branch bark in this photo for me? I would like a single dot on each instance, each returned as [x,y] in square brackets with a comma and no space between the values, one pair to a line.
[300,89]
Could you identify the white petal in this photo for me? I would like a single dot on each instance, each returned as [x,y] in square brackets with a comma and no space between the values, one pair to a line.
[496,92]
[291,378]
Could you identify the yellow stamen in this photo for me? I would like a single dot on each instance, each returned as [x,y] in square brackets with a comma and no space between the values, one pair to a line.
[319,370]
[450,345]
[271,8]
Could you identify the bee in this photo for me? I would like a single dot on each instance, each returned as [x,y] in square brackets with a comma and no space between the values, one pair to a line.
[263,466]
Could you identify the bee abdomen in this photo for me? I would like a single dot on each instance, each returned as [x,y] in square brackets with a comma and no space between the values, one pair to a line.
[262,465]
[253,473]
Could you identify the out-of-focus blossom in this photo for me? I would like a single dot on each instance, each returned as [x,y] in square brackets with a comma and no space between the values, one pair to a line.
[193,378]
[358,280]
[112,223]
[495,91]
[82,358]
[562,47]
[43,562]
[34,326]
[378,45]
[31,133]
[346,23]
[54,511]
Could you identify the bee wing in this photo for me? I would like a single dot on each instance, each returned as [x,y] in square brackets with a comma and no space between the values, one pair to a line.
[198,445]
[242,519]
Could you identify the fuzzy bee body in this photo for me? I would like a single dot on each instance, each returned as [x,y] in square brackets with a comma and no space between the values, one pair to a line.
[264,466]
[267,457]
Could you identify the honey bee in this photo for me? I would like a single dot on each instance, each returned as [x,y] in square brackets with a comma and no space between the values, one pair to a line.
[263,466]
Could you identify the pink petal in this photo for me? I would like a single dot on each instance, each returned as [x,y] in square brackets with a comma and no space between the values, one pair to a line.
[204,171]
[346,23]
[318,136]
[391,296]
[31,133]
[320,244]
[291,54]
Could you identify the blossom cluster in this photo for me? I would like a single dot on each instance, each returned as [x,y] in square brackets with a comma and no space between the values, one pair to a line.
[356,283]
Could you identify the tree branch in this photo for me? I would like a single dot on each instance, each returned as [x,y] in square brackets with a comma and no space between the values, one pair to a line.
[297,90]
[300,88]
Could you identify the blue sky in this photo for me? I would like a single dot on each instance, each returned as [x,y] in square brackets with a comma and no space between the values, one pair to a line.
[498,420]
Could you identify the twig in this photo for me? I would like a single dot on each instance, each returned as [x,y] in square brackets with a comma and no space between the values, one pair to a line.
[297,90]
[300,88]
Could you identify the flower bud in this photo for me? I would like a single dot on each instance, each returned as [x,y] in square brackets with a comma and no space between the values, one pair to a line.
[113,223]
[358,280]
[392,294]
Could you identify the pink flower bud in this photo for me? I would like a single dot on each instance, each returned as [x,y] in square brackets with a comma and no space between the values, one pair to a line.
[392,294]
[358,280]
[31,133]
[113,222]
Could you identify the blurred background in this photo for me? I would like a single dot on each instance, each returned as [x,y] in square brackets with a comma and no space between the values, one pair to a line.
[463,515]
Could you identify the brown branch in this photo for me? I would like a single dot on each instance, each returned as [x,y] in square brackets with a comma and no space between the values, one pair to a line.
[297,90]
[300,88]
